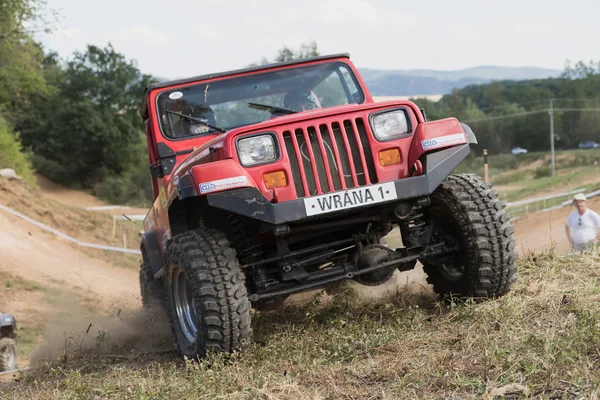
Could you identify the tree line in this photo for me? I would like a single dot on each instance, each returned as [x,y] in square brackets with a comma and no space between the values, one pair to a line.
[507,114]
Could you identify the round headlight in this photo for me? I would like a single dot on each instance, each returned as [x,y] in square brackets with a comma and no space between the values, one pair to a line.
[257,150]
[390,125]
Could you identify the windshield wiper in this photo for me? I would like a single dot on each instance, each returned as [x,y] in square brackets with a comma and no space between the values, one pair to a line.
[272,108]
[216,128]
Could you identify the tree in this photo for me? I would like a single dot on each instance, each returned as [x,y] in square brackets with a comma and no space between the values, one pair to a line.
[306,50]
[21,75]
[19,18]
[90,125]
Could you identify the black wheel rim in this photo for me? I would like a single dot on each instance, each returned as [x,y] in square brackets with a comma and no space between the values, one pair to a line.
[452,271]
[184,305]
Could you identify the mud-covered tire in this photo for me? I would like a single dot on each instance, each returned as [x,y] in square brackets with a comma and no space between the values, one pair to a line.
[468,209]
[152,291]
[8,355]
[217,292]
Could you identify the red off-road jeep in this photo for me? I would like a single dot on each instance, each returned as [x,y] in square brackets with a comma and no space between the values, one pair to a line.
[283,178]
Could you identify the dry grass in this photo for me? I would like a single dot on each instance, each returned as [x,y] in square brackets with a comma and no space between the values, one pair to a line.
[87,226]
[542,340]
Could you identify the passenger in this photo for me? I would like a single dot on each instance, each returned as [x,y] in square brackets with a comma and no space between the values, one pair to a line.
[301,100]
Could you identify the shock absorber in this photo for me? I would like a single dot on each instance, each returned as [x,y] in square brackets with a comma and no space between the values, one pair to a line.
[413,226]
[412,229]
[245,244]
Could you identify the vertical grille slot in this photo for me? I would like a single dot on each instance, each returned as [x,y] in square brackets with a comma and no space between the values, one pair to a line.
[364,139]
[296,169]
[337,175]
[355,151]
[344,149]
[319,160]
[306,164]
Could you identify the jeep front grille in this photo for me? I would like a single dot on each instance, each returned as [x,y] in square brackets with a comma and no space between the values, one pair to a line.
[329,157]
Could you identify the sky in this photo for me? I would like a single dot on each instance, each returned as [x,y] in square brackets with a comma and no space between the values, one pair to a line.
[181,38]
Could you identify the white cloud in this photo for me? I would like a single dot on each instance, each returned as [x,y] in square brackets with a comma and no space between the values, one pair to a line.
[139,35]
[68,33]
[466,34]
[353,14]
[530,28]
[205,31]
[330,12]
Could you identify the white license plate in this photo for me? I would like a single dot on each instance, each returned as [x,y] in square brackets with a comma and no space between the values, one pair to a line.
[351,198]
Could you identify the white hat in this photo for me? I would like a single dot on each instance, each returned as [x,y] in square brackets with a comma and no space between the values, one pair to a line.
[579,196]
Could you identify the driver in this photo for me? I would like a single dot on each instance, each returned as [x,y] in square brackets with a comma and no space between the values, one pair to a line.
[301,100]
[186,127]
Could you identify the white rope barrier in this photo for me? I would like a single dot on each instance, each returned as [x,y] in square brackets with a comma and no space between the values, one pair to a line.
[67,237]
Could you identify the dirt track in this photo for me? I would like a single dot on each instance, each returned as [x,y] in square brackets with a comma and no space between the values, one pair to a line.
[37,256]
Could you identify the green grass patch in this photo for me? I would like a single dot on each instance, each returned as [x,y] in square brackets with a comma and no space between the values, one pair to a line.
[571,180]
[16,283]
[12,154]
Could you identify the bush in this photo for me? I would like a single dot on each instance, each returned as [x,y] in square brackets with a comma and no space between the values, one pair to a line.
[53,170]
[542,172]
[134,187]
[12,154]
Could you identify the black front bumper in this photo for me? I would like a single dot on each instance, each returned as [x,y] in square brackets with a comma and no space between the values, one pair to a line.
[251,203]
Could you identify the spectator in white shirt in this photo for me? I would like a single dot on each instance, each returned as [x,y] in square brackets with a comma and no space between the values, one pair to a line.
[582,225]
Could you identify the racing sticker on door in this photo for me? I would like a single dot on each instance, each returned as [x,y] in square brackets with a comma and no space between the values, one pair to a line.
[442,141]
[224,184]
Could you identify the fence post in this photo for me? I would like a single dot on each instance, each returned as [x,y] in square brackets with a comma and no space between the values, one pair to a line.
[485,165]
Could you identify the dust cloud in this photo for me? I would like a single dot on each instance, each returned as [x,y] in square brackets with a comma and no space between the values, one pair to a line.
[409,285]
[76,330]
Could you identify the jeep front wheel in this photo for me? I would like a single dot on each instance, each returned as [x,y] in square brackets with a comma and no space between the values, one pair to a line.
[8,355]
[468,216]
[206,295]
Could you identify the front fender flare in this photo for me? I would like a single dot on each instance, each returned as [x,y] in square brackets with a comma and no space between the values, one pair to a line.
[469,132]
[214,177]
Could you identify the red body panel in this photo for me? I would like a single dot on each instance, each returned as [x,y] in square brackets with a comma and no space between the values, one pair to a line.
[443,128]
[215,158]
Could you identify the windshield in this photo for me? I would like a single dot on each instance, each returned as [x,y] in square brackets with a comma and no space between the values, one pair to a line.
[235,102]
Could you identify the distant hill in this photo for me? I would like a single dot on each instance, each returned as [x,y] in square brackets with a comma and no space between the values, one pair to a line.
[432,82]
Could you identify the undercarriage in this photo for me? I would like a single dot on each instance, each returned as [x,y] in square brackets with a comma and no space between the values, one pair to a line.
[303,257]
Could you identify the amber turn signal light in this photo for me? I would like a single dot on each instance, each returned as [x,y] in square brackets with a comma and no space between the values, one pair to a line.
[389,157]
[275,179]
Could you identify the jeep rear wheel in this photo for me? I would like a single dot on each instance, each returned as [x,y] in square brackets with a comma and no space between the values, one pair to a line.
[152,291]
[8,355]
[467,215]
[206,296]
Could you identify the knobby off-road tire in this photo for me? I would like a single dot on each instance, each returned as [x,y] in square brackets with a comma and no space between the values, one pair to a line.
[8,355]
[152,291]
[467,212]
[206,296]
